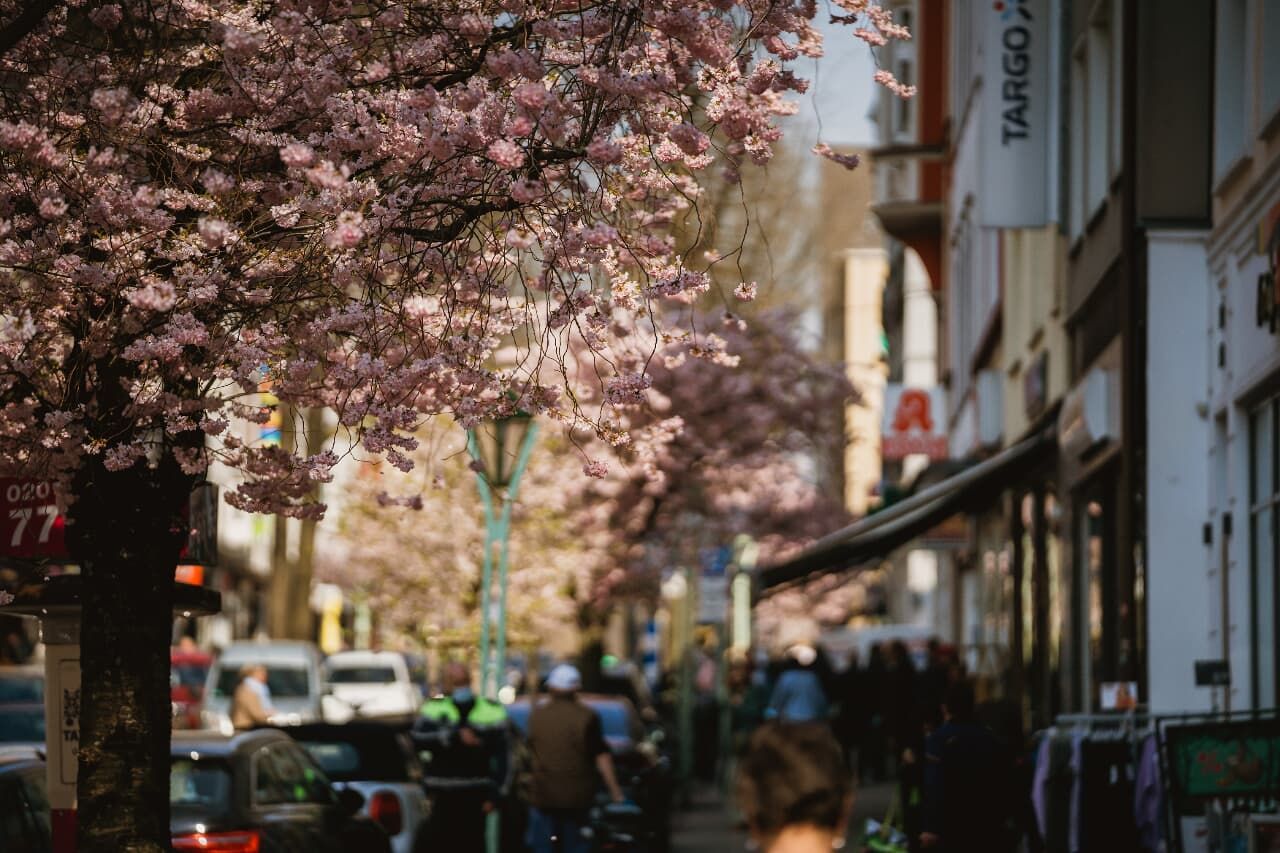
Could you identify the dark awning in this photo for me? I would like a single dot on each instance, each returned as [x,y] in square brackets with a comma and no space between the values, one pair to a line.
[877,535]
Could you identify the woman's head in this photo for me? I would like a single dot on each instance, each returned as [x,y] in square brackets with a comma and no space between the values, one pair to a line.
[793,776]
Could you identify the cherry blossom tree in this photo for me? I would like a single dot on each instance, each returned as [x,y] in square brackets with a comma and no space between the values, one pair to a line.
[729,436]
[355,204]
[410,544]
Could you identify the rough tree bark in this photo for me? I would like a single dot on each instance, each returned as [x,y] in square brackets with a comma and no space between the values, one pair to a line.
[126,529]
[126,532]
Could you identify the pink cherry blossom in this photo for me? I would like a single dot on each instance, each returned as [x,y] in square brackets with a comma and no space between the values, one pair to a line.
[506,154]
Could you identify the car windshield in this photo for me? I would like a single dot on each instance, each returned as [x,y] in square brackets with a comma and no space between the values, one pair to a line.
[360,757]
[200,785]
[362,675]
[284,681]
[21,688]
[22,724]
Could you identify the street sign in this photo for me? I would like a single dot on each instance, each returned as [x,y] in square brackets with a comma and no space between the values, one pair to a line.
[32,528]
[713,585]
[30,525]
[1213,673]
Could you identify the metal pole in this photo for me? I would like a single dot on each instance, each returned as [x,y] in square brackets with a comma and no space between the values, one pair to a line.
[486,576]
[504,531]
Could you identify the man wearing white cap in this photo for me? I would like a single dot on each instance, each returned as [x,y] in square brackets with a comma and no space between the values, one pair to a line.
[568,750]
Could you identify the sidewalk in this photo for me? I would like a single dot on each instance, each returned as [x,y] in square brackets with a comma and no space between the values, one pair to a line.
[706,827]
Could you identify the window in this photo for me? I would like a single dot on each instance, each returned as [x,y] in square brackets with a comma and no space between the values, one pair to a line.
[904,56]
[1117,87]
[1229,86]
[20,831]
[1264,509]
[283,681]
[268,786]
[1098,77]
[362,675]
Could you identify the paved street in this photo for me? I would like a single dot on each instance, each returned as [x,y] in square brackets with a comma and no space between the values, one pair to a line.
[706,827]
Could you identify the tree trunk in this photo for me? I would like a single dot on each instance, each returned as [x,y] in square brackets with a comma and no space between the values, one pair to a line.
[126,531]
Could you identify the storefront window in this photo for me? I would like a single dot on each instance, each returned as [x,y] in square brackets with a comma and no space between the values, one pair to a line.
[1106,612]
[1057,597]
[1264,502]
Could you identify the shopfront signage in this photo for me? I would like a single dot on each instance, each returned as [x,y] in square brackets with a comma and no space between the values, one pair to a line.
[1015,115]
[914,423]
[1213,673]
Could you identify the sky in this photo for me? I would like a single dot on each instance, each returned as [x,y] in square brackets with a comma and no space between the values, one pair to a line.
[842,90]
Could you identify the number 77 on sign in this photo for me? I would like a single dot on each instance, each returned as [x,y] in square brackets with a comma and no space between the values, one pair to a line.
[30,525]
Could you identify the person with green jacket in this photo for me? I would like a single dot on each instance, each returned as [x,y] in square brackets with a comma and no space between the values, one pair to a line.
[464,739]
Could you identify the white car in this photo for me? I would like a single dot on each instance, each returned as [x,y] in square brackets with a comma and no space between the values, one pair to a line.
[374,684]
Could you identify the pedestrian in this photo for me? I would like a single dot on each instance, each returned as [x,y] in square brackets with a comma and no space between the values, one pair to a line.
[467,736]
[567,750]
[872,754]
[798,696]
[854,714]
[251,702]
[968,782]
[794,789]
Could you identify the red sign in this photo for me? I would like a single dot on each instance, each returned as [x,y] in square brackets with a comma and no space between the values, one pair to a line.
[30,525]
[913,423]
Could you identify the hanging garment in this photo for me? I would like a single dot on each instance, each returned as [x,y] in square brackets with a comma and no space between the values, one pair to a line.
[1148,801]
[1106,795]
[1059,787]
[1040,783]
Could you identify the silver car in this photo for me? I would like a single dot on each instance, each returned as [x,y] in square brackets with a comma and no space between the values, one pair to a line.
[295,678]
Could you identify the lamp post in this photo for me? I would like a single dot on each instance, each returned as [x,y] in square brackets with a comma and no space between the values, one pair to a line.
[502,448]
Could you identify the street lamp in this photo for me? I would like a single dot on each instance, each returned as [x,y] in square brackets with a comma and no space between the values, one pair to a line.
[501,447]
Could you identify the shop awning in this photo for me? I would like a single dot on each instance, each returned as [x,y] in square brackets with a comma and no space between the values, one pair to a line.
[875,536]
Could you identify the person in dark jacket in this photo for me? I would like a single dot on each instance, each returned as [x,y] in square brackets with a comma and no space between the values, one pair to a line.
[569,755]
[968,790]
[469,770]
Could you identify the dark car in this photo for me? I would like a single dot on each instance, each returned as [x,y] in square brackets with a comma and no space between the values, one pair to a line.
[24,805]
[643,773]
[379,761]
[260,792]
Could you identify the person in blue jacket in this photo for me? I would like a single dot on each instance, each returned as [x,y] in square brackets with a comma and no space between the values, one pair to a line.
[798,696]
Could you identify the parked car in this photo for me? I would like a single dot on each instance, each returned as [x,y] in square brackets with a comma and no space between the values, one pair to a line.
[374,684]
[188,672]
[643,773]
[260,792]
[381,763]
[24,803]
[22,723]
[21,684]
[295,677]
[22,706]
